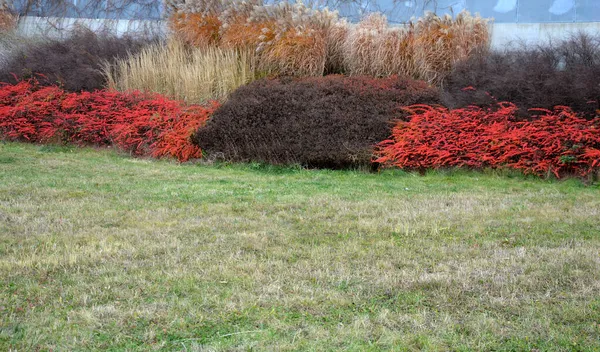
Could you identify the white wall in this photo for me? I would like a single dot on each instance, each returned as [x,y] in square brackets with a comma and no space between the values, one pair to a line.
[537,33]
[57,27]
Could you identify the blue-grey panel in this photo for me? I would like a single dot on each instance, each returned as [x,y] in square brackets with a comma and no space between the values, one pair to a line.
[354,10]
[445,6]
[19,6]
[397,11]
[101,9]
[588,11]
[530,11]
[502,11]
[499,10]
[400,11]
[34,8]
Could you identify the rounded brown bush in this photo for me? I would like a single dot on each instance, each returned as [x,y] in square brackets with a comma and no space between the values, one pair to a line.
[330,122]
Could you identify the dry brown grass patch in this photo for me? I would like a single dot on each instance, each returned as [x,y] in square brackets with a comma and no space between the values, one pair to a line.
[296,53]
[195,28]
[426,49]
[195,75]
[440,42]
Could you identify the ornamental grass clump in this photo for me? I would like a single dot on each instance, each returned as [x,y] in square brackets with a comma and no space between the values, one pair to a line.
[425,49]
[195,75]
[286,39]
[8,19]
[441,42]
[296,39]
[373,48]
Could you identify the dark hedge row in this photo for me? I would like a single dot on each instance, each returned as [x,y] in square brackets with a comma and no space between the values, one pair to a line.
[331,121]
[74,63]
[565,73]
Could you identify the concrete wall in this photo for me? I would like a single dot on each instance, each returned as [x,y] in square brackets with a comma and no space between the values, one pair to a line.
[537,33]
[58,27]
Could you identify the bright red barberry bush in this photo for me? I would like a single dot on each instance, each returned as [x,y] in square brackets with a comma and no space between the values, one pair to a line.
[141,124]
[558,141]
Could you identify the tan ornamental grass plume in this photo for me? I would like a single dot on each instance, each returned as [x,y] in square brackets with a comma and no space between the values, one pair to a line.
[195,75]
[298,39]
[373,48]
[8,18]
[424,49]
[335,38]
[440,42]
[362,45]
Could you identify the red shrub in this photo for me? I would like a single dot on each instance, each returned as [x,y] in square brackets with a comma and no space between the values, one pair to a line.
[555,141]
[141,124]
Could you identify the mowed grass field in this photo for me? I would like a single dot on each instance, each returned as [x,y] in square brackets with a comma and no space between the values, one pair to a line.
[100,251]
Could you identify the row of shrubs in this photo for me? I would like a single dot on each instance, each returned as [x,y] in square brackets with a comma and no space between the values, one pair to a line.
[331,122]
[563,73]
[339,121]
[248,40]
[142,124]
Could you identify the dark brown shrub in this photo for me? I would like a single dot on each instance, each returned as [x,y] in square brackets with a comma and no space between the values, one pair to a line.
[565,73]
[331,121]
[74,63]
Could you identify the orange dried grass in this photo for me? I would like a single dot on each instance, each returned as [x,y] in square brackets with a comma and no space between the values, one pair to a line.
[296,53]
[426,49]
[334,58]
[195,28]
[243,34]
[295,39]
[8,20]
[440,42]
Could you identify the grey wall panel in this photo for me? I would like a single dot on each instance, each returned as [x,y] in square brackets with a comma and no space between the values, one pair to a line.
[543,11]
[588,11]
[397,11]
[500,10]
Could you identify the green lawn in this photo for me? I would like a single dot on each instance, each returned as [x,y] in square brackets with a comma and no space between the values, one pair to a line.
[100,251]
